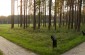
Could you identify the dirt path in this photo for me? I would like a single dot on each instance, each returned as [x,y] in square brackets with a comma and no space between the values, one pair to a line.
[9,48]
[79,50]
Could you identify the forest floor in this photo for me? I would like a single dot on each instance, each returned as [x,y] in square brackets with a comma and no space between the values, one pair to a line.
[79,50]
[39,41]
[9,48]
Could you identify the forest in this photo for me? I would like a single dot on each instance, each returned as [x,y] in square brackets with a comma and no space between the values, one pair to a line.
[37,20]
[50,13]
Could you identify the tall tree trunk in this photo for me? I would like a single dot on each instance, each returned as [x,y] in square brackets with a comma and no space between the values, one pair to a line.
[12,13]
[24,14]
[63,16]
[75,17]
[50,3]
[79,19]
[34,21]
[60,21]
[69,20]
[45,13]
[72,6]
[67,16]
[39,15]
[55,15]
[20,13]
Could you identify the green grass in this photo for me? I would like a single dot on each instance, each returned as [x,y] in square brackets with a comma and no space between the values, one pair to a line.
[1,53]
[39,41]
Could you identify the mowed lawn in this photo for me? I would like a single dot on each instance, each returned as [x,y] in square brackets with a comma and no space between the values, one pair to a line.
[39,41]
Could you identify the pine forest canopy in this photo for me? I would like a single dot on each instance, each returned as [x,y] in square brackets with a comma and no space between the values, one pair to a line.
[30,6]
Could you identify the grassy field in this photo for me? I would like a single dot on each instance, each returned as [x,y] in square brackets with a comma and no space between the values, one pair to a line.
[39,41]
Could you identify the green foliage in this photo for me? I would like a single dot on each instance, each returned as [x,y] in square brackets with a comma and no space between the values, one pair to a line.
[39,41]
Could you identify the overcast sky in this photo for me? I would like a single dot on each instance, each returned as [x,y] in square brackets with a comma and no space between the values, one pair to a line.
[5,7]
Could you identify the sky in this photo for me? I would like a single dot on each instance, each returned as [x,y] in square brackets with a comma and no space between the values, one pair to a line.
[5,7]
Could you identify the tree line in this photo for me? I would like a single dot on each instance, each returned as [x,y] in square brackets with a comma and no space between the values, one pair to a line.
[49,13]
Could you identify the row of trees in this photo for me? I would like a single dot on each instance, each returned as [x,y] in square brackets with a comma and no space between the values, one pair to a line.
[69,13]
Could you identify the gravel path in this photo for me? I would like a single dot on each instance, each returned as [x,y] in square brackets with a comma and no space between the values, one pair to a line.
[9,48]
[79,50]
